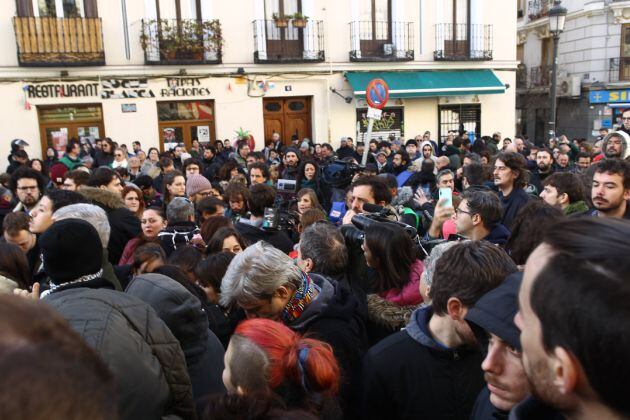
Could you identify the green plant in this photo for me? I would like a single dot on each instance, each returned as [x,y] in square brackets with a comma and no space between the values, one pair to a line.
[300,16]
[242,134]
[183,37]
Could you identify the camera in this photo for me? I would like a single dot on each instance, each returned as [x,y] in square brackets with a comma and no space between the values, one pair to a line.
[280,217]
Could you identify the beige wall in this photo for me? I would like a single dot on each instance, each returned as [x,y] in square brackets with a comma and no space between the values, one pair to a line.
[332,118]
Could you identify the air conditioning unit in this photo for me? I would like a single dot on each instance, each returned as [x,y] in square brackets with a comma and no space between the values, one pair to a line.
[569,87]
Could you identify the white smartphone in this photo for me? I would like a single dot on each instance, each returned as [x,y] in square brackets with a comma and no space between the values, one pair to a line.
[446,193]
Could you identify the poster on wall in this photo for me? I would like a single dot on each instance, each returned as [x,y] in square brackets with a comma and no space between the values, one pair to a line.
[60,141]
[170,138]
[203,133]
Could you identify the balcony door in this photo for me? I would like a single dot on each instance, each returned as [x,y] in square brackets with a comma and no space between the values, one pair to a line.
[375,26]
[283,41]
[457,36]
[57,8]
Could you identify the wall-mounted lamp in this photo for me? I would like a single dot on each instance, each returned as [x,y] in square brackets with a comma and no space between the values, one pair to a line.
[348,99]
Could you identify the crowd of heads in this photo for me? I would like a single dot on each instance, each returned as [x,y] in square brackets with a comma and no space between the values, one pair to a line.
[467,277]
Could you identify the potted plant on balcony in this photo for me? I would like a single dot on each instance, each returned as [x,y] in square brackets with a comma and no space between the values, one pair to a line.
[281,21]
[299,20]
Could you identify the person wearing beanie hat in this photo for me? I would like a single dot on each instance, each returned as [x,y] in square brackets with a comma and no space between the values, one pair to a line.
[145,359]
[197,188]
[57,172]
[67,264]
[492,318]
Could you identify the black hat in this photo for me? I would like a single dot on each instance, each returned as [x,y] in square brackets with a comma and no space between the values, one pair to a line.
[144,181]
[495,311]
[71,249]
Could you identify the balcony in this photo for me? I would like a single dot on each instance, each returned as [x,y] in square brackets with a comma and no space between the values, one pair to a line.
[187,41]
[462,42]
[55,42]
[537,9]
[288,41]
[521,77]
[619,70]
[381,41]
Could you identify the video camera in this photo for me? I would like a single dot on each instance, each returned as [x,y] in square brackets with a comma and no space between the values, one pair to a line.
[280,217]
[354,234]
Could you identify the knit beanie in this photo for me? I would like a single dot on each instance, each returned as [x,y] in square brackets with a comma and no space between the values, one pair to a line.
[71,249]
[57,172]
[197,183]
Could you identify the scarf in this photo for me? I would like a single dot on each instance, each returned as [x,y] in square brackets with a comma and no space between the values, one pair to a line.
[89,280]
[300,300]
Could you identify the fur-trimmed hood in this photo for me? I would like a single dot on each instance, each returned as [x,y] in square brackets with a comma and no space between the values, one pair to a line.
[625,150]
[103,197]
[388,314]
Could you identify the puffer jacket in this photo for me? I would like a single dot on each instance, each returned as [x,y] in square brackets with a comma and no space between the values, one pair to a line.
[183,314]
[124,224]
[144,357]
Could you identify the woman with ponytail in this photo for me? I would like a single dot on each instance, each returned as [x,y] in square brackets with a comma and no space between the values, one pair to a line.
[267,357]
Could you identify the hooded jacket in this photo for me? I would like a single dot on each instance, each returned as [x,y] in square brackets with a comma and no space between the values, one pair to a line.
[334,317]
[625,150]
[499,235]
[144,357]
[182,312]
[124,224]
[409,375]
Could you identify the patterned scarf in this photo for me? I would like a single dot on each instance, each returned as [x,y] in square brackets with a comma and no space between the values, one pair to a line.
[300,300]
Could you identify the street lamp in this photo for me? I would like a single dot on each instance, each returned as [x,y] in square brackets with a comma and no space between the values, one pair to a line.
[557,16]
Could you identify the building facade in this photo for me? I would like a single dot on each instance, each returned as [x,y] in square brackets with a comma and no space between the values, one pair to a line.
[168,71]
[593,67]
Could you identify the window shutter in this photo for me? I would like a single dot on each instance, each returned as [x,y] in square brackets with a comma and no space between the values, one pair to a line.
[24,7]
[90,8]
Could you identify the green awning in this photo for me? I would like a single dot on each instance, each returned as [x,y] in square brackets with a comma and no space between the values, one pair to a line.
[420,84]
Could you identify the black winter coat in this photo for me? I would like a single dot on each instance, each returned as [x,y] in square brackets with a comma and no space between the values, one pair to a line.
[103,159]
[124,224]
[144,357]
[409,375]
[183,314]
[335,318]
[512,204]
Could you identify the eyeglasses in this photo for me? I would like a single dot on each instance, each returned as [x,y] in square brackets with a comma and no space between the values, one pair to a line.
[458,211]
[625,118]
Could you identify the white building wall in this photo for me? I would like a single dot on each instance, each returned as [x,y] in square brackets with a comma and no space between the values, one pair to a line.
[332,118]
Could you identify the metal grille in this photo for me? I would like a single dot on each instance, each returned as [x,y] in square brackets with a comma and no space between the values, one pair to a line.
[459,118]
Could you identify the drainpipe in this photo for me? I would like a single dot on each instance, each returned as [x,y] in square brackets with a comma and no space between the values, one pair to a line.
[123,6]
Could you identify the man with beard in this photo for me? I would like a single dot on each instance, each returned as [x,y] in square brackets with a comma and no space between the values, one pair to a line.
[510,177]
[431,369]
[399,163]
[625,121]
[291,163]
[544,164]
[616,145]
[610,190]
[574,322]
[28,186]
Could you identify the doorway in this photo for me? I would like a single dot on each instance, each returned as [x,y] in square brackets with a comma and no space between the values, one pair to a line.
[375,26]
[183,122]
[57,125]
[287,116]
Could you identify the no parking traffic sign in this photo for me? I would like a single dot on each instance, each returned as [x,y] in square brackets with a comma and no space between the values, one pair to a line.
[377,93]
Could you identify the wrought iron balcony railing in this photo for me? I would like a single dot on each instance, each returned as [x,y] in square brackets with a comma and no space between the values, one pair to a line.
[52,42]
[462,42]
[186,41]
[288,41]
[381,41]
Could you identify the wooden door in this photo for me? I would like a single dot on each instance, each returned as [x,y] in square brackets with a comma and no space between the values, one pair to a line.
[287,116]
[58,125]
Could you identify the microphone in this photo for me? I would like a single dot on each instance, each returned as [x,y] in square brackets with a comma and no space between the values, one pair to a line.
[375,208]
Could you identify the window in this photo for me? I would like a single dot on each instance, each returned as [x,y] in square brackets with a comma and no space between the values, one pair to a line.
[624,61]
[377,17]
[391,122]
[57,8]
[459,119]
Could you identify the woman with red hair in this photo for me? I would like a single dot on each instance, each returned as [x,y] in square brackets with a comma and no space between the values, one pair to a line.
[267,357]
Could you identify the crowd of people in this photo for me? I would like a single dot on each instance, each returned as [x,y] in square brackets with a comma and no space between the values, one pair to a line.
[448,279]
